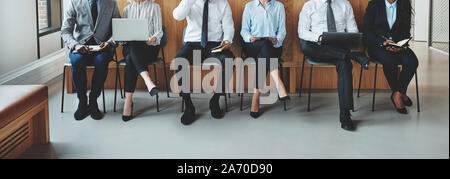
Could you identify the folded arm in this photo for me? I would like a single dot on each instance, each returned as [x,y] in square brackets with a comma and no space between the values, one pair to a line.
[183,9]
[304,26]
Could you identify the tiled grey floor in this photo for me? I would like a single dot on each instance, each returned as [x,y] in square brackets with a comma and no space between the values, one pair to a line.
[277,134]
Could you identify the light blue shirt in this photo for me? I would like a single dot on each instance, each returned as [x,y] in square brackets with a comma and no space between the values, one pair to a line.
[264,22]
[98,5]
[391,13]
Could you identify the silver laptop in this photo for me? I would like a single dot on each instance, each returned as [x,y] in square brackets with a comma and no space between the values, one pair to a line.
[130,29]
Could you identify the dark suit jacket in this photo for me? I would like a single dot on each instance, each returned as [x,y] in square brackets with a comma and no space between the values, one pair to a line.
[376,25]
[78,26]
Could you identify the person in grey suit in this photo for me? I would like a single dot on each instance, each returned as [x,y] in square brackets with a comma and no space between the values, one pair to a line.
[88,22]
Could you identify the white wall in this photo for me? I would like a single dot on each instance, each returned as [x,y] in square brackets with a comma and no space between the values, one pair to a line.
[421,19]
[50,43]
[18,44]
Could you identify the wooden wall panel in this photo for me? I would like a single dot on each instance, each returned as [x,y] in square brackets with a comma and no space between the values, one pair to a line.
[292,55]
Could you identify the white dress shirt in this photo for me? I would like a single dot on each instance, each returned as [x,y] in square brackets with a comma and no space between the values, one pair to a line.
[150,11]
[313,18]
[220,20]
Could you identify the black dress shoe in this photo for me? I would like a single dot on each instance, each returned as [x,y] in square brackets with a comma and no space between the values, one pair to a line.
[154,91]
[82,111]
[188,116]
[94,111]
[130,117]
[361,59]
[255,115]
[408,102]
[401,111]
[214,106]
[346,121]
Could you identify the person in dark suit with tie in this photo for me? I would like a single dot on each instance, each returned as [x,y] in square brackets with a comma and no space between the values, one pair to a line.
[389,21]
[317,17]
[209,24]
[88,22]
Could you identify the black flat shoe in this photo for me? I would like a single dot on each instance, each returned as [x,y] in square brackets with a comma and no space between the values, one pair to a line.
[82,111]
[408,102]
[96,114]
[128,118]
[255,115]
[188,117]
[214,106]
[154,91]
[346,121]
[401,111]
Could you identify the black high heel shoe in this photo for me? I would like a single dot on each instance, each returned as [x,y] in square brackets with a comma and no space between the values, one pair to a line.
[255,115]
[128,118]
[154,91]
[401,111]
[408,102]
[285,99]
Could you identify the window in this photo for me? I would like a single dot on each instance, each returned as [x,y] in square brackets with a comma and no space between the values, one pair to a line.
[48,25]
[44,14]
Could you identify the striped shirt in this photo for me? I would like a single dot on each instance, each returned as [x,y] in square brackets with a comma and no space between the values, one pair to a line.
[147,10]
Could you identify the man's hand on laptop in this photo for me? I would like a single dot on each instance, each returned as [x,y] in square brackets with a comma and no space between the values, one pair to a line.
[82,49]
[151,41]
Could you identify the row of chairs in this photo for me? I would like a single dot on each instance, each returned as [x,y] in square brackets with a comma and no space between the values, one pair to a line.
[162,59]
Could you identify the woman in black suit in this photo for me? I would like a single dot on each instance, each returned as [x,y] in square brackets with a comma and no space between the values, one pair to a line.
[389,21]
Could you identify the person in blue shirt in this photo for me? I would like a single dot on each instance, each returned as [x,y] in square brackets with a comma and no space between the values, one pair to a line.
[263,32]
[389,21]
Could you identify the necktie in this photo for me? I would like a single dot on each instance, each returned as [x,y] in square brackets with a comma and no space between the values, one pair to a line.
[94,11]
[205,24]
[330,18]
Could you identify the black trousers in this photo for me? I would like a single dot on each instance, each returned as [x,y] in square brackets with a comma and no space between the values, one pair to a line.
[138,56]
[390,62]
[262,50]
[187,53]
[344,67]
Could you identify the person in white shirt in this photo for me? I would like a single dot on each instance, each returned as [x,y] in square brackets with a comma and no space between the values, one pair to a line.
[210,24]
[317,17]
[138,55]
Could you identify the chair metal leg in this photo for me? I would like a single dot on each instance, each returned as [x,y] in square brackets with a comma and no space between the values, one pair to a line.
[282,80]
[182,105]
[165,73]
[417,93]
[226,102]
[301,78]
[374,87]
[115,88]
[104,105]
[360,79]
[309,91]
[63,86]
[122,95]
[156,83]
[242,101]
